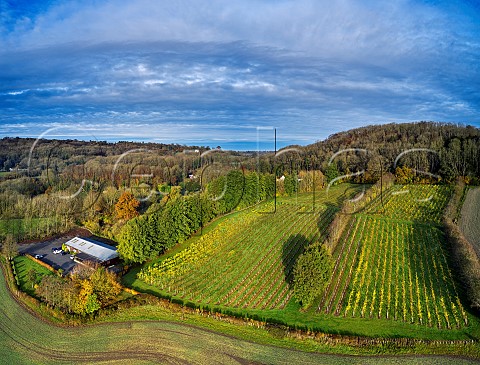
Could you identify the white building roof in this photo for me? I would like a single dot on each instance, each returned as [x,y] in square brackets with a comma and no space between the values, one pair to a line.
[100,251]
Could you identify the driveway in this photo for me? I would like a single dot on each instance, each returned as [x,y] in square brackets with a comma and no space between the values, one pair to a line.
[45,248]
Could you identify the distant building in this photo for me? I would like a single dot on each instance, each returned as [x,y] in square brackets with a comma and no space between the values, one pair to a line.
[91,250]
[17,169]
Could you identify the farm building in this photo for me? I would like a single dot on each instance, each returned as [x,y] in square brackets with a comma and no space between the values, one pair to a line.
[91,250]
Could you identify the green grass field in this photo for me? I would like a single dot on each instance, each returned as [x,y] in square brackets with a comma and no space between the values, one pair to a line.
[23,265]
[391,278]
[23,229]
[152,334]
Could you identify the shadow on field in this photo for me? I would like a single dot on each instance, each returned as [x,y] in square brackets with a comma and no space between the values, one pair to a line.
[292,248]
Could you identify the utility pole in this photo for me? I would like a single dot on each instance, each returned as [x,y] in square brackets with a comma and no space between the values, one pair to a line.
[275,177]
[381,185]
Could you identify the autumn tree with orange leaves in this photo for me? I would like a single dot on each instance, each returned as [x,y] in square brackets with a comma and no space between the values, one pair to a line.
[126,207]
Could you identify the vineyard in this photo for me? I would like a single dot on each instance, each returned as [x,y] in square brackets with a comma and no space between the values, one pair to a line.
[185,338]
[396,268]
[247,260]
[421,203]
[400,272]
[390,262]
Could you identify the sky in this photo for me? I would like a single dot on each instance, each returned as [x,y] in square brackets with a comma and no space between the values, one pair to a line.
[227,73]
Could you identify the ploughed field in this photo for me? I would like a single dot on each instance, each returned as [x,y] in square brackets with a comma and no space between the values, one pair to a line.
[470,218]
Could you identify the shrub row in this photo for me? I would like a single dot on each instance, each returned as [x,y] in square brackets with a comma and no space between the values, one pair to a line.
[15,274]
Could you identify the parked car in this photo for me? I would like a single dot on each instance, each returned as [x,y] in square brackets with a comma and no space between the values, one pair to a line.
[38,256]
[54,249]
[72,257]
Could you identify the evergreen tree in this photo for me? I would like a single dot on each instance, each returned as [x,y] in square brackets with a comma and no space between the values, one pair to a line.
[311,273]
[290,184]
[331,172]
[136,242]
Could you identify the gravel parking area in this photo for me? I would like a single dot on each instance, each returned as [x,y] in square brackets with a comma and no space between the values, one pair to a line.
[44,248]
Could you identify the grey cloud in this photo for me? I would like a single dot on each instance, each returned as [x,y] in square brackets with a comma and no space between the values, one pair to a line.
[307,67]
[343,29]
[209,76]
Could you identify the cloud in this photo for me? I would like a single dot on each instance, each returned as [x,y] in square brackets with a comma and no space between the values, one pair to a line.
[309,68]
[344,28]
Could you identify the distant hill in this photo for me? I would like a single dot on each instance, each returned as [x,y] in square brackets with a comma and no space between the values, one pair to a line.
[456,148]
[14,151]
[455,151]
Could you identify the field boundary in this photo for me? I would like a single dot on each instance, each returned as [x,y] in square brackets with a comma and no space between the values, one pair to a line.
[465,258]
[470,228]
[41,263]
[384,345]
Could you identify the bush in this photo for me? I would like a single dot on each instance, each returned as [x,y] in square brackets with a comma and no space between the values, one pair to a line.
[311,273]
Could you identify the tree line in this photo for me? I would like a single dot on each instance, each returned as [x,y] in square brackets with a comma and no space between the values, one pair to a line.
[445,149]
[70,183]
[87,289]
[176,217]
